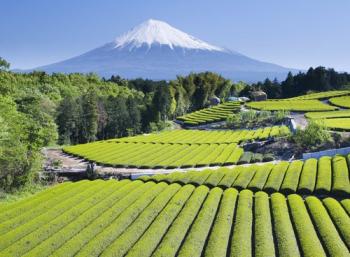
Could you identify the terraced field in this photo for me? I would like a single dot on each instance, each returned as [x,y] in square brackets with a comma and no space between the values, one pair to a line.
[125,218]
[295,105]
[341,124]
[209,115]
[322,95]
[174,149]
[343,101]
[328,115]
[159,155]
[207,136]
[324,176]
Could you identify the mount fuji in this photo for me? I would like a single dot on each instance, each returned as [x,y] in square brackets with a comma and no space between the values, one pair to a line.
[156,50]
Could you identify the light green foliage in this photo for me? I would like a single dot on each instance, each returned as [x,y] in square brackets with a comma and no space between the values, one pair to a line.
[220,234]
[328,115]
[340,218]
[295,105]
[333,243]
[264,245]
[176,233]
[195,240]
[309,242]
[124,218]
[314,134]
[241,244]
[342,101]
[340,178]
[341,124]
[286,241]
[208,115]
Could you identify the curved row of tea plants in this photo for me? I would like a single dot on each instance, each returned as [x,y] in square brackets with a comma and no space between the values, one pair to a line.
[207,136]
[324,176]
[328,115]
[340,124]
[208,115]
[160,155]
[291,105]
[174,149]
[125,218]
[343,101]
[322,95]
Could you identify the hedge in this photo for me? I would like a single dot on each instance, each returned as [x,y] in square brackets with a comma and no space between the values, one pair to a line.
[341,184]
[308,177]
[276,177]
[263,236]
[142,239]
[31,240]
[219,237]
[327,232]
[195,240]
[340,218]
[74,244]
[310,245]
[241,244]
[171,242]
[98,244]
[291,179]
[324,175]
[283,229]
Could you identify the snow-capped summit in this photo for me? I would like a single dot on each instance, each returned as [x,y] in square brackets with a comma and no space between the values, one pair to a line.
[159,32]
[156,50]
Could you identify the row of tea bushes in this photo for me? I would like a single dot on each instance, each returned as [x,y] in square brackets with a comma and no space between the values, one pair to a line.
[324,176]
[208,115]
[125,218]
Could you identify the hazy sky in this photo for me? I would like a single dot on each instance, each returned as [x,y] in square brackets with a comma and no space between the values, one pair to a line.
[296,34]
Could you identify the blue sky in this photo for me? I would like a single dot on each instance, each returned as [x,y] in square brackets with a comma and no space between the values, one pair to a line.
[295,34]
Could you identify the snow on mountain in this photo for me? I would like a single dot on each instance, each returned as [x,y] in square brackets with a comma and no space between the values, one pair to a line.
[156,50]
[159,32]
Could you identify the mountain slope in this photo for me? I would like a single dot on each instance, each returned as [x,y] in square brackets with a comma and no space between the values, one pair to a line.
[156,50]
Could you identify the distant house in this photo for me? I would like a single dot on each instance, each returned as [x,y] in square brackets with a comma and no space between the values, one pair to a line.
[259,96]
[214,100]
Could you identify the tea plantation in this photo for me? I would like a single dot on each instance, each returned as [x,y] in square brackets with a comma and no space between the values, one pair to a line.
[135,218]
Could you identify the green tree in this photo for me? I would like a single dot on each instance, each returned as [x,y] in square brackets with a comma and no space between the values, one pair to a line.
[4,65]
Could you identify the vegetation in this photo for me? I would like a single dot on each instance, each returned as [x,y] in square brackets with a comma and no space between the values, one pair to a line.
[172,149]
[252,119]
[291,105]
[213,114]
[317,79]
[342,101]
[328,175]
[104,218]
[340,124]
[328,115]
[314,134]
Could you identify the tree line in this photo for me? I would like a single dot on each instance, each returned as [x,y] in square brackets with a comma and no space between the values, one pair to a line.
[313,80]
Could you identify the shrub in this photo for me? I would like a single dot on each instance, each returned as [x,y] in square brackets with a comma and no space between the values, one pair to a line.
[314,134]
[309,242]
[195,240]
[325,228]
[176,233]
[242,231]
[245,158]
[264,243]
[286,242]
[220,234]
